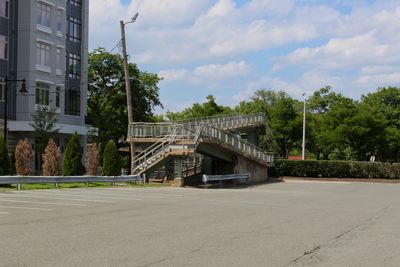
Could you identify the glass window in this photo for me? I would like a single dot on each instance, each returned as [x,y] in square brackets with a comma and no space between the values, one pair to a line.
[42,93]
[73,103]
[74,66]
[43,14]
[2,90]
[59,20]
[74,29]
[42,54]
[77,3]
[58,91]
[58,57]
[4,8]
[3,47]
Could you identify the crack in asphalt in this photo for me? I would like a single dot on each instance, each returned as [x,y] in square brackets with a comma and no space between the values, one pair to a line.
[364,224]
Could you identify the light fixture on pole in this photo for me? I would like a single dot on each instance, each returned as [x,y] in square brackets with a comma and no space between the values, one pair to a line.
[303,154]
[127,80]
[22,90]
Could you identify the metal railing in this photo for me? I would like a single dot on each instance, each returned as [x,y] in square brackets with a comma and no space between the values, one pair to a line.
[225,122]
[158,150]
[241,146]
[201,133]
[228,122]
[220,178]
[19,180]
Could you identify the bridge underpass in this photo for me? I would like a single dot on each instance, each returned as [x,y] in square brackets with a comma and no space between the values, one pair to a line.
[212,145]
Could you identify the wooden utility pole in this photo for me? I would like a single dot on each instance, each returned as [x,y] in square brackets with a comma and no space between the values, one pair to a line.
[127,88]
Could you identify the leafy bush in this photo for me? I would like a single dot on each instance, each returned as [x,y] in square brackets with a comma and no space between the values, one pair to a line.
[111,160]
[93,158]
[337,169]
[72,162]
[24,157]
[51,159]
[4,159]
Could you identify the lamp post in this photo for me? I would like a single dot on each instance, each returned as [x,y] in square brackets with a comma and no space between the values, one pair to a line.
[22,90]
[303,154]
[127,80]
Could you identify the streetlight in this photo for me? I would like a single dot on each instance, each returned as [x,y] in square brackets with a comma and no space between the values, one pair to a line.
[127,80]
[303,154]
[22,90]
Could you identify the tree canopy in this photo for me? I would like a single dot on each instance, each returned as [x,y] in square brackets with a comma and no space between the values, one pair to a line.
[107,109]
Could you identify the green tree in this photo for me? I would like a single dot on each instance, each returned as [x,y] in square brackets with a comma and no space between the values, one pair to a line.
[72,161]
[111,160]
[107,109]
[386,101]
[197,110]
[284,119]
[5,166]
[44,123]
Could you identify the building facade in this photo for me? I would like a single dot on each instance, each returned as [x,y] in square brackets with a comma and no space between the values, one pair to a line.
[8,54]
[51,55]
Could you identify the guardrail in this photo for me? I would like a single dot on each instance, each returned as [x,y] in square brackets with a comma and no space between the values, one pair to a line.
[221,178]
[19,180]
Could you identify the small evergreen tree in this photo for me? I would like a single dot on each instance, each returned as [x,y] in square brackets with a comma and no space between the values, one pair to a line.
[111,160]
[4,159]
[51,159]
[24,157]
[93,158]
[72,161]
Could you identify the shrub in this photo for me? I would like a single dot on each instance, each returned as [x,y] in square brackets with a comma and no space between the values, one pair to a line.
[51,159]
[93,158]
[111,160]
[4,159]
[337,169]
[72,161]
[24,158]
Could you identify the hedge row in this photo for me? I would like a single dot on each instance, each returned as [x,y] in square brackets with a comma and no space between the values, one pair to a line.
[337,169]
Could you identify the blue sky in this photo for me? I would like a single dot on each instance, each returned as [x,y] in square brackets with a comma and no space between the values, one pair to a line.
[230,48]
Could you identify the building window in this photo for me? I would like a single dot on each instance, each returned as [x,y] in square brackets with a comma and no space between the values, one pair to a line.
[58,91]
[42,54]
[4,8]
[73,103]
[74,66]
[3,47]
[74,29]
[2,90]
[42,93]
[43,14]
[58,57]
[77,3]
[59,20]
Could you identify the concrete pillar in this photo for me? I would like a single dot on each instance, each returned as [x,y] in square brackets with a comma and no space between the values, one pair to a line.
[178,179]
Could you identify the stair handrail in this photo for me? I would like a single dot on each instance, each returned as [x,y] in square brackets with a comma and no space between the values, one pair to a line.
[157,147]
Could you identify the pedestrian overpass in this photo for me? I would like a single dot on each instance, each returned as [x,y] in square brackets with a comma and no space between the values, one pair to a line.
[212,145]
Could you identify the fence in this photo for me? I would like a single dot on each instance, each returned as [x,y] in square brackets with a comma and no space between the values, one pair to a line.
[19,180]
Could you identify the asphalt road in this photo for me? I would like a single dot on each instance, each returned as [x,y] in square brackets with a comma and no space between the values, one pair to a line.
[294,223]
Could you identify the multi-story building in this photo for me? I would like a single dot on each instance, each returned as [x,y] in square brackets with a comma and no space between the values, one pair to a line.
[8,55]
[52,55]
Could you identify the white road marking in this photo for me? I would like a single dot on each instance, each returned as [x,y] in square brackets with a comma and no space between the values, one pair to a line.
[87,194]
[42,203]
[140,192]
[24,208]
[42,197]
[3,213]
[315,181]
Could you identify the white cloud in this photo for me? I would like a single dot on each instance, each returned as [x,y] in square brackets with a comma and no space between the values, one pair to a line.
[207,73]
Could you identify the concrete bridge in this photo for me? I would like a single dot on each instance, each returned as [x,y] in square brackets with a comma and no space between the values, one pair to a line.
[212,145]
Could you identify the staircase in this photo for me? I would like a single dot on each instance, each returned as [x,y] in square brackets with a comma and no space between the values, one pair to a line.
[182,139]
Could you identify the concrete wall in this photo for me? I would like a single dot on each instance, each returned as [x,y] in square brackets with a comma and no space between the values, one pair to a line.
[258,172]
